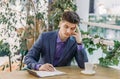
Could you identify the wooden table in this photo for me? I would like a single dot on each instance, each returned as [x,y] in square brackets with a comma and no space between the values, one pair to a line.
[73,72]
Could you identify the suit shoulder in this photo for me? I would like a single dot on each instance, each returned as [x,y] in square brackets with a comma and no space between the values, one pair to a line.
[47,34]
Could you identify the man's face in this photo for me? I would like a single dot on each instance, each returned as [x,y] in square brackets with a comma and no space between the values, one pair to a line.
[66,29]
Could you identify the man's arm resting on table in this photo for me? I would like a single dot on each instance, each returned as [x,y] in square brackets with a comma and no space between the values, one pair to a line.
[81,55]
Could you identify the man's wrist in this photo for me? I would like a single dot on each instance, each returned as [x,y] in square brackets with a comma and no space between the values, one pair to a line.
[37,66]
[79,42]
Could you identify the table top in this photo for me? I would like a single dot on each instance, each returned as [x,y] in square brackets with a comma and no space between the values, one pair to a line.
[73,72]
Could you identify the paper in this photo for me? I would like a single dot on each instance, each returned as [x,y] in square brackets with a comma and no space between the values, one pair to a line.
[45,73]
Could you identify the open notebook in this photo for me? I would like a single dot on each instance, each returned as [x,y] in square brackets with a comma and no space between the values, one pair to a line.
[45,73]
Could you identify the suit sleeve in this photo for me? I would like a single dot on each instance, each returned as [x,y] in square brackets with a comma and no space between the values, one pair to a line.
[33,55]
[81,57]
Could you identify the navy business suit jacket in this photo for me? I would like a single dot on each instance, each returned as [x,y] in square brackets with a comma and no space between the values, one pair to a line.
[44,49]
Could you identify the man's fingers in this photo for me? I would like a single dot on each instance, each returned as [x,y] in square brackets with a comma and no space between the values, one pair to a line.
[78,30]
[51,68]
[47,67]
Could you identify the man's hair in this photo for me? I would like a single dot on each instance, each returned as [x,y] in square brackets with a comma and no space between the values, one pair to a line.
[71,17]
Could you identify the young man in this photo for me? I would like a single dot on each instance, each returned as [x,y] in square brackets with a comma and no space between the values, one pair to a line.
[58,48]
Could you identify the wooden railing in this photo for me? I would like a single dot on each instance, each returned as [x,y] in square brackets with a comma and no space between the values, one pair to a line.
[103,25]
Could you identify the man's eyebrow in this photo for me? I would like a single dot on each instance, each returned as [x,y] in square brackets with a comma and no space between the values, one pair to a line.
[66,25]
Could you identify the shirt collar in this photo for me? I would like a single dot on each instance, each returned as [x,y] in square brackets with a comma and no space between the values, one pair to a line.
[59,40]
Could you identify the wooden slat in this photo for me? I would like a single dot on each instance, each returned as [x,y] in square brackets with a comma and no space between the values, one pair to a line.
[103,25]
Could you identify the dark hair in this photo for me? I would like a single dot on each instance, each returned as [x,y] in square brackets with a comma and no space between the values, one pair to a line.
[71,17]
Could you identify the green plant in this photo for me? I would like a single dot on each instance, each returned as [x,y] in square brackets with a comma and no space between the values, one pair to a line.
[31,23]
[5,51]
[89,43]
[34,24]
[8,21]
[112,56]
[57,8]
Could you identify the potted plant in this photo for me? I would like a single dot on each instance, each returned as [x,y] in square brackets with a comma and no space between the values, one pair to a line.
[5,51]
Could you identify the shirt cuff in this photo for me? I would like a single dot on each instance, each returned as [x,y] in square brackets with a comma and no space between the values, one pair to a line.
[37,66]
[80,47]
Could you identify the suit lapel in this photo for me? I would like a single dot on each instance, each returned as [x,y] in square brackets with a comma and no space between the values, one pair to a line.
[68,45]
[52,45]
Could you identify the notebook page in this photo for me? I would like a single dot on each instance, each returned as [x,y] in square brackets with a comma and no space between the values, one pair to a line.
[45,73]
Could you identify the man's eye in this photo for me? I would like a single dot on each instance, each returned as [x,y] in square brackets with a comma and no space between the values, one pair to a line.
[72,28]
[66,26]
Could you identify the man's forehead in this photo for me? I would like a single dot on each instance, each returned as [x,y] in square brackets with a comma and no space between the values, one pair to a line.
[70,24]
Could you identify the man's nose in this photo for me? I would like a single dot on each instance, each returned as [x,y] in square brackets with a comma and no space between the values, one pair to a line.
[69,31]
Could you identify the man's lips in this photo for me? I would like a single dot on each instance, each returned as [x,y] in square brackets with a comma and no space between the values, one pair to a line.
[67,34]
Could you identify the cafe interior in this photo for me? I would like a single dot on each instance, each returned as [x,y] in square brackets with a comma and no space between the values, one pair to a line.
[22,21]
